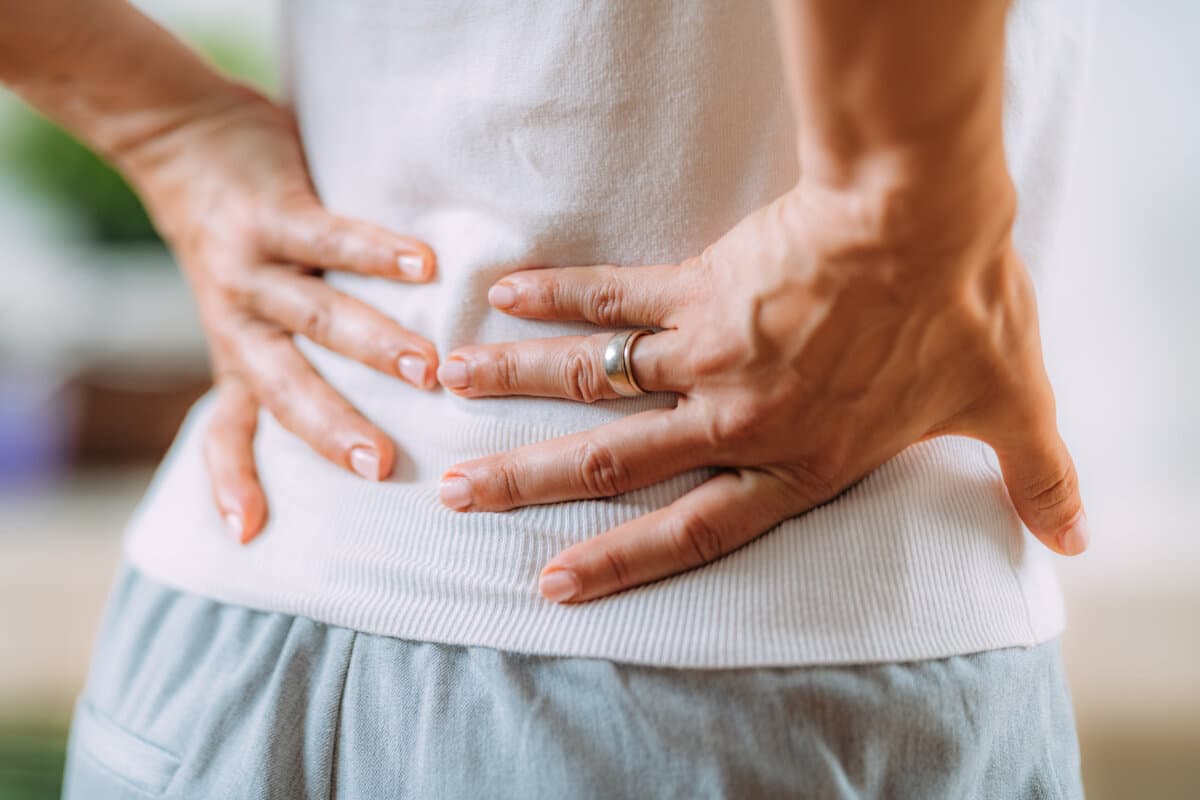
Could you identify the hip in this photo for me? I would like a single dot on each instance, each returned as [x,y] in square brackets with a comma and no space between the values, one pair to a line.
[189,697]
[922,559]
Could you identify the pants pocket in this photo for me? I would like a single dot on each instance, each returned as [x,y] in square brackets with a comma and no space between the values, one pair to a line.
[106,761]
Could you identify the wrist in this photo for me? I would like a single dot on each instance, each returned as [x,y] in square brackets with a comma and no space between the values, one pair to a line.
[210,159]
[910,201]
[111,76]
[899,108]
[190,130]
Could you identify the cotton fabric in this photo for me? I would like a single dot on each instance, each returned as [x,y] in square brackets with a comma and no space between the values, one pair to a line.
[190,698]
[510,134]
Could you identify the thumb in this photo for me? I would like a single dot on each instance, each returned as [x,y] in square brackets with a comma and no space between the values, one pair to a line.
[1044,488]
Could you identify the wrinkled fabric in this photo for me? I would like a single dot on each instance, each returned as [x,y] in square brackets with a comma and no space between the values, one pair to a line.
[190,698]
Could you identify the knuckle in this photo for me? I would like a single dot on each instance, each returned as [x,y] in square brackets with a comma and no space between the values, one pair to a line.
[329,242]
[225,334]
[251,347]
[814,479]
[273,393]
[229,432]
[550,292]
[1056,492]
[273,389]
[695,541]
[717,355]
[617,565]
[227,282]
[582,381]
[601,473]
[605,302]
[213,441]
[508,486]
[316,320]
[507,370]
[735,423]
[233,406]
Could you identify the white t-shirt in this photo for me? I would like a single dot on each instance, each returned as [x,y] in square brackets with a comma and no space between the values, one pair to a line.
[558,133]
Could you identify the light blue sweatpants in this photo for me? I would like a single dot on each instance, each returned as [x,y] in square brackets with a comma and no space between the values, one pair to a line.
[190,698]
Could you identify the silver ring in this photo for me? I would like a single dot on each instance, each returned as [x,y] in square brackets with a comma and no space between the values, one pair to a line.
[618,363]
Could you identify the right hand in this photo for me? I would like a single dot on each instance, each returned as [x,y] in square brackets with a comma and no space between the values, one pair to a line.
[230,193]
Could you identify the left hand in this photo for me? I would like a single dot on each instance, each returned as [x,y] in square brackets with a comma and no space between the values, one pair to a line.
[813,342]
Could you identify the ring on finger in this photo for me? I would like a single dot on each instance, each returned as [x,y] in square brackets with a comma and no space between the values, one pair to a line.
[618,362]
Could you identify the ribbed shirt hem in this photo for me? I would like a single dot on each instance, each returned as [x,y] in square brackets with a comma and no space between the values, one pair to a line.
[923,559]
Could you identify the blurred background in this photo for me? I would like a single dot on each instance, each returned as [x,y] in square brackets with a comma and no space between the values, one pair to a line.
[101,353]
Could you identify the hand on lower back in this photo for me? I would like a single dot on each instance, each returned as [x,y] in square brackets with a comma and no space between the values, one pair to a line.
[230,192]
[817,339]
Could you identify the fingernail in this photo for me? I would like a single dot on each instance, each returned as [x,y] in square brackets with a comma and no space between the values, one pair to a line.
[411,265]
[502,296]
[455,492]
[233,521]
[453,374]
[1074,540]
[365,463]
[559,586]
[414,369]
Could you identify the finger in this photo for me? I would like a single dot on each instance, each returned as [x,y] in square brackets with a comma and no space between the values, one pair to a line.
[570,367]
[627,454]
[1044,486]
[306,233]
[715,518]
[605,295]
[229,456]
[286,385]
[1022,427]
[308,306]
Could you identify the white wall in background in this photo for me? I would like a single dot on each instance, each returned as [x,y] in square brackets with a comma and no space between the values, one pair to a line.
[1121,307]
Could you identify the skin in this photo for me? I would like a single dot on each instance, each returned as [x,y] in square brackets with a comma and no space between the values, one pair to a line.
[222,173]
[877,304]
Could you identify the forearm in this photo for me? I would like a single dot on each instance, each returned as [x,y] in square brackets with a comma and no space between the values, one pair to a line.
[901,102]
[106,72]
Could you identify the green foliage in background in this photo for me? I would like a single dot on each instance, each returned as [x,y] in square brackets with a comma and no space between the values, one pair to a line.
[31,763]
[53,164]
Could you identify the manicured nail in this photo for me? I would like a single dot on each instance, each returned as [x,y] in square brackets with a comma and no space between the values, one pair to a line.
[414,369]
[410,265]
[365,463]
[455,492]
[559,586]
[453,374]
[1074,540]
[233,521]
[502,296]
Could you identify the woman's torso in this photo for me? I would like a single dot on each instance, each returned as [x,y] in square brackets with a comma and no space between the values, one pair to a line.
[511,134]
